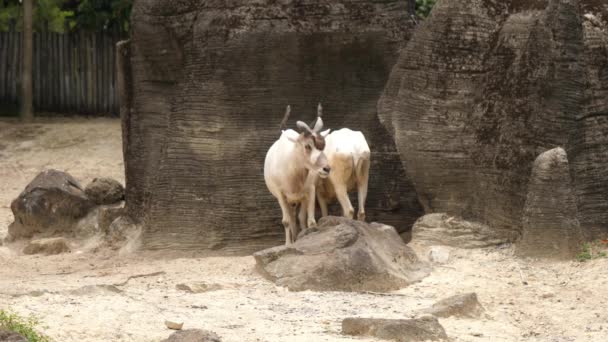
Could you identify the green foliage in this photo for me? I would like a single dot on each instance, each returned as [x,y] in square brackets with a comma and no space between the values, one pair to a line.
[46,12]
[592,250]
[90,15]
[24,326]
[102,15]
[423,7]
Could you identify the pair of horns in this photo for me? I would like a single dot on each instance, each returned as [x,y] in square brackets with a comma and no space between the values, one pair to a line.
[318,126]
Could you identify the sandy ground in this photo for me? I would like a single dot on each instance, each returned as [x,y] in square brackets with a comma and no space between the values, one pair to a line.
[563,301]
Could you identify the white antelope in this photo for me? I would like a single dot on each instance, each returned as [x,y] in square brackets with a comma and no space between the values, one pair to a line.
[292,167]
[349,158]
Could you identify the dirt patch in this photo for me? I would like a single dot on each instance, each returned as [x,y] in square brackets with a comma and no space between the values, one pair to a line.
[562,301]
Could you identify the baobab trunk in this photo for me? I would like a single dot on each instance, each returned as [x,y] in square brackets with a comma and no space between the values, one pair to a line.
[26,76]
[206,85]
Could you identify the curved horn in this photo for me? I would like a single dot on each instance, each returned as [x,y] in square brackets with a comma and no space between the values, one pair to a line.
[319,124]
[284,122]
[303,126]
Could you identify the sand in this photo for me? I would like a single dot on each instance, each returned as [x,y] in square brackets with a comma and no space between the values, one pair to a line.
[93,296]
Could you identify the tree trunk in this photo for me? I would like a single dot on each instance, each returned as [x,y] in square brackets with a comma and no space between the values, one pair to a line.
[26,76]
[206,89]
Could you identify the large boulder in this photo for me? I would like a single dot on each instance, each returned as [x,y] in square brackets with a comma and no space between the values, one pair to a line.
[343,255]
[483,87]
[51,204]
[424,328]
[203,88]
[443,229]
[551,227]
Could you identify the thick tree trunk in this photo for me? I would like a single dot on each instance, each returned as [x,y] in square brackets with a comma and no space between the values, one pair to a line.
[208,86]
[26,76]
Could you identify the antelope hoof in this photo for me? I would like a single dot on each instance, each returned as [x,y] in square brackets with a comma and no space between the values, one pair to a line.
[312,224]
[361,217]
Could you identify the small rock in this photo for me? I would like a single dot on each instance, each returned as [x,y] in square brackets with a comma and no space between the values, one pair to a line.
[547,295]
[48,246]
[174,325]
[193,335]
[105,191]
[11,336]
[423,328]
[439,254]
[198,287]
[96,290]
[463,305]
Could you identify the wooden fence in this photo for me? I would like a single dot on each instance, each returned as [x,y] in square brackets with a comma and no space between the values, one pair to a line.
[72,72]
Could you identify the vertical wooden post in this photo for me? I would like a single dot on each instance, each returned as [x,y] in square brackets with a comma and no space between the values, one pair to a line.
[26,76]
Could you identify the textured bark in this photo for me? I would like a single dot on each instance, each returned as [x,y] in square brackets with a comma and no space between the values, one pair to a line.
[550,225]
[209,81]
[485,86]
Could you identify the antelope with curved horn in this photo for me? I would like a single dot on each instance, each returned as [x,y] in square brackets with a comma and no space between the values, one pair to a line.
[291,169]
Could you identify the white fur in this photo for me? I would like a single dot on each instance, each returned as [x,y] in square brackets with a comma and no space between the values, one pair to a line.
[291,176]
[349,158]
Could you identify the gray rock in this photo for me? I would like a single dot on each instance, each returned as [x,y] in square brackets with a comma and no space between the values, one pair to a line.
[198,287]
[11,336]
[51,204]
[424,328]
[551,228]
[464,305]
[89,290]
[439,254]
[193,335]
[442,229]
[103,191]
[343,255]
[193,153]
[484,87]
[98,221]
[174,325]
[49,246]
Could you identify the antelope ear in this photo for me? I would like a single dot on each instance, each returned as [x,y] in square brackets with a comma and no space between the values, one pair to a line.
[318,125]
[291,135]
[325,133]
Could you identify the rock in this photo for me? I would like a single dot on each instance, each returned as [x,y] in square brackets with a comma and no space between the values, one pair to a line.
[103,191]
[439,254]
[464,305]
[507,80]
[88,290]
[424,328]
[174,325]
[48,246]
[551,228]
[98,221]
[51,204]
[193,335]
[343,255]
[190,148]
[11,336]
[442,229]
[121,231]
[198,287]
